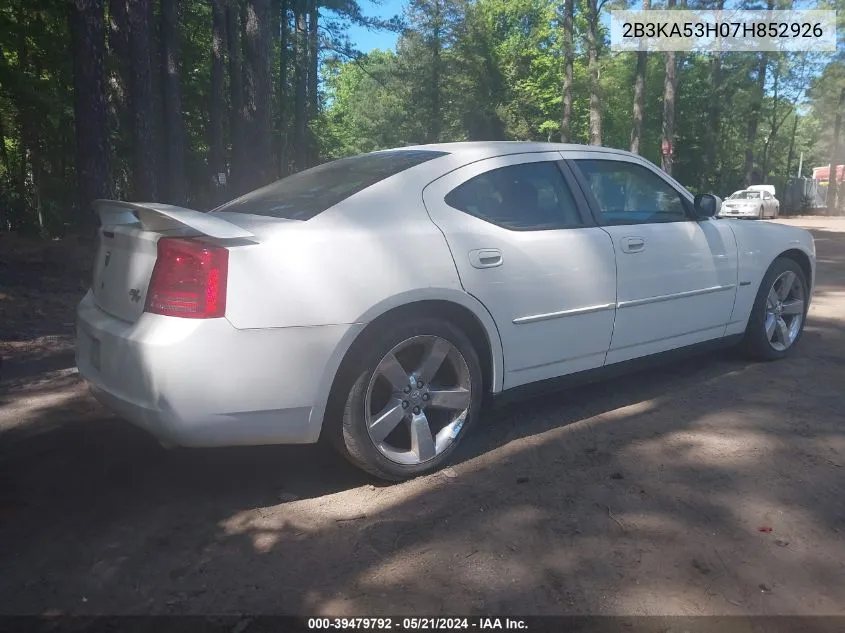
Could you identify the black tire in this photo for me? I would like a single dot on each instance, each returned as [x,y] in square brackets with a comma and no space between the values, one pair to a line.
[755,344]
[353,439]
[760,214]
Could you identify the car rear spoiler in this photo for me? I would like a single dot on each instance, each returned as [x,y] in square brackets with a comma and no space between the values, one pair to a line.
[164,217]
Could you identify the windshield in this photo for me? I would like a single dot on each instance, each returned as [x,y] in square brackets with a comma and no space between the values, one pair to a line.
[308,193]
[746,195]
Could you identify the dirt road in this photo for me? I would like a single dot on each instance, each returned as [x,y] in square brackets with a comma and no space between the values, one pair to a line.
[645,495]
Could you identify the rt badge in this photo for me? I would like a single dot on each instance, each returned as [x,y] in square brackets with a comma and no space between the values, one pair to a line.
[135,295]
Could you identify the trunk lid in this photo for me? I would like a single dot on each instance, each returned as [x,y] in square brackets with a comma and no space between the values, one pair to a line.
[128,247]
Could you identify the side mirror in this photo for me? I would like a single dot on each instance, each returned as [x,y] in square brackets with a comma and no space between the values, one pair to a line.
[707,205]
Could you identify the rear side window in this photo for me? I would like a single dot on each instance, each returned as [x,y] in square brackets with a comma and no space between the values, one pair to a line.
[526,197]
[308,193]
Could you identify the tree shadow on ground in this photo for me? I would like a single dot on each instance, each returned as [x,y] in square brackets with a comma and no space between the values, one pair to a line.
[588,501]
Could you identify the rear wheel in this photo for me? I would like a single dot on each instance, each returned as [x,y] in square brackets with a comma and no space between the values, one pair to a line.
[779,312]
[414,392]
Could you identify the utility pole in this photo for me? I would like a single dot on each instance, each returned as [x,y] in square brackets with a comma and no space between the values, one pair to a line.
[832,188]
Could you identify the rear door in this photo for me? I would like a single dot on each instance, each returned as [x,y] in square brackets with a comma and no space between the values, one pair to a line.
[677,276]
[525,245]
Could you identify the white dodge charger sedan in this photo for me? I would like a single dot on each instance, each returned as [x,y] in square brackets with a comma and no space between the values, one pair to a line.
[375,301]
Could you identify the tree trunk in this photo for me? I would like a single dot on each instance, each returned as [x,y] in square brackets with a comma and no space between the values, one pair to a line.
[284,28]
[143,111]
[157,127]
[791,153]
[711,137]
[4,154]
[773,126]
[236,98]
[568,55]
[300,113]
[174,186]
[93,170]
[119,93]
[217,157]
[313,69]
[639,102]
[436,72]
[756,106]
[37,172]
[26,135]
[668,130]
[119,48]
[593,67]
[639,95]
[23,171]
[833,187]
[313,60]
[35,147]
[257,80]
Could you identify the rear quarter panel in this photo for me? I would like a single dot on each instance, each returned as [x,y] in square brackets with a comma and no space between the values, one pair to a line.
[375,251]
[758,245]
[335,267]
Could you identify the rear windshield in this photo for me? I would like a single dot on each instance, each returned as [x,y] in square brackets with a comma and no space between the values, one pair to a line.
[308,193]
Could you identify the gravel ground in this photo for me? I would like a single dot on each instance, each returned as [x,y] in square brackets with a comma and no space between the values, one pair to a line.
[711,486]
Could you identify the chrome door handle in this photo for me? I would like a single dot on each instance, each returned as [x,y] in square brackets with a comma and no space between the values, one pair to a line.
[633,244]
[485,258]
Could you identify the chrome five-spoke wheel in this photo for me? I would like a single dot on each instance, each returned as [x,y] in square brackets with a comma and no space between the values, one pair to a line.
[417,400]
[779,312]
[785,305]
[414,389]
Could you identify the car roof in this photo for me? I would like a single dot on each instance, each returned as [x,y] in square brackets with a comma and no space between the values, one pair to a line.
[488,149]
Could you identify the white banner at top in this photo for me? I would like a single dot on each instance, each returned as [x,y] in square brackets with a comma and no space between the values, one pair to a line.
[729,30]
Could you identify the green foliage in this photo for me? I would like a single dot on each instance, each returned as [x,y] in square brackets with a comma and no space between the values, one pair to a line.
[36,118]
[463,70]
[505,81]
[352,124]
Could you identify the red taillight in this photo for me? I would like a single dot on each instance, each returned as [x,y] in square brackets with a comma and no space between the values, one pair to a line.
[188,280]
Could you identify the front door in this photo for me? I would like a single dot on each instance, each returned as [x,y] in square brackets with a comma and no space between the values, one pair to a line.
[677,276]
[525,245]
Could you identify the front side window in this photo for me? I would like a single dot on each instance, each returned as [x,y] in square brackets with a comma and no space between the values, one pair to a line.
[628,193]
[526,197]
[308,193]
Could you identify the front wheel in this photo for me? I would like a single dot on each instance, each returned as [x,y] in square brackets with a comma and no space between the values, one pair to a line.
[779,312]
[414,392]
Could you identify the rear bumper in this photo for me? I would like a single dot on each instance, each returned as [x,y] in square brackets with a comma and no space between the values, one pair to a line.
[194,382]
